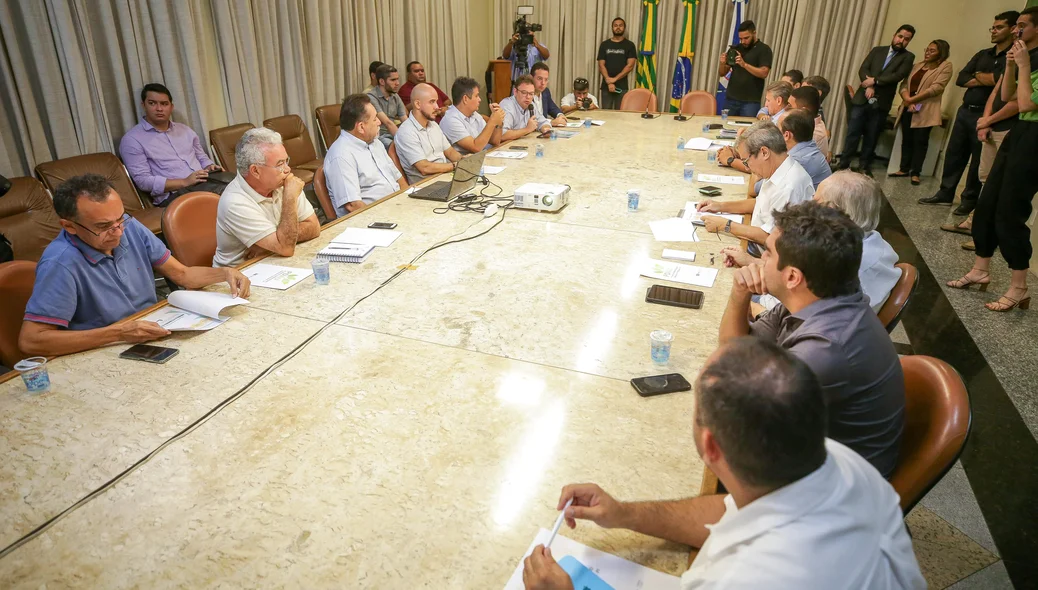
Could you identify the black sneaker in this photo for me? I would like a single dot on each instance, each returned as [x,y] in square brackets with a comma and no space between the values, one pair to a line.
[936,200]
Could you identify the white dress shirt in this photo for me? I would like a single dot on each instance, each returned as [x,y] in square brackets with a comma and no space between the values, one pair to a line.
[358,171]
[789,185]
[839,527]
[415,143]
[456,126]
[244,217]
[877,272]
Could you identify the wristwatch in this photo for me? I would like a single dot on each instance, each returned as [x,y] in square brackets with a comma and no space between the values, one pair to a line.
[728,227]
[730,160]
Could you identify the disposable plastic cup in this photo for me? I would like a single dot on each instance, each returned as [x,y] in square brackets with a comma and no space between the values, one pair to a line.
[660,341]
[34,374]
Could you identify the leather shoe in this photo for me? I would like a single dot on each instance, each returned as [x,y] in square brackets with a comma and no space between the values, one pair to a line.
[969,246]
[963,209]
[935,200]
[954,228]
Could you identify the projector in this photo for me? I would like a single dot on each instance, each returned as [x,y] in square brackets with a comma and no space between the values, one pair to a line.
[542,197]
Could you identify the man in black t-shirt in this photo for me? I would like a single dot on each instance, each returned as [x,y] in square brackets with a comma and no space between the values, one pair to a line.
[617,57]
[752,66]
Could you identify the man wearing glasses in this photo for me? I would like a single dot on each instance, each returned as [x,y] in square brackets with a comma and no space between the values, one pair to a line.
[99,270]
[978,78]
[263,210]
[520,118]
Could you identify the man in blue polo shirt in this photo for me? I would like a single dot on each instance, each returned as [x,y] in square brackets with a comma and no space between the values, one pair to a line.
[99,270]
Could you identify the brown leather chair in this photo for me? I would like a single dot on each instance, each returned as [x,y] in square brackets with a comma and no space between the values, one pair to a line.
[937,423]
[298,145]
[890,313]
[224,140]
[698,102]
[638,100]
[328,124]
[189,225]
[321,188]
[16,280]
[396,160]
[108,165]
[27,218]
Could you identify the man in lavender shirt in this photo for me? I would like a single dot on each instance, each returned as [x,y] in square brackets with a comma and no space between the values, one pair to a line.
[165,158]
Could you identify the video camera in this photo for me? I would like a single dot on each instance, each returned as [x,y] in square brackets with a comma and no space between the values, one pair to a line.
[525,30]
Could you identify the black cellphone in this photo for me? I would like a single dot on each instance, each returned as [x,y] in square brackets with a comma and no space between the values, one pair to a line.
[573,118]
[518,148]
[709,187]
[660,384]
[382,225]
[675,296]
[730,55]
[148,353]
[706,192]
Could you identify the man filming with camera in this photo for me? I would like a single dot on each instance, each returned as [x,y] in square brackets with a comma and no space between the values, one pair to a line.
[750,64]
[617,57]
[580,99]
[523,49]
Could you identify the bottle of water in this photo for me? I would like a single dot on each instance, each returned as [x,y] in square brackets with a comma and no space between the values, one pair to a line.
[681,143]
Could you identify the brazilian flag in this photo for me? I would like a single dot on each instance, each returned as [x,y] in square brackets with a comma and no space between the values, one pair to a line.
[686,51]
[646,73]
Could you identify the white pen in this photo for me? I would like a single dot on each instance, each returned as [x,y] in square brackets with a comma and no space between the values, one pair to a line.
[558,523]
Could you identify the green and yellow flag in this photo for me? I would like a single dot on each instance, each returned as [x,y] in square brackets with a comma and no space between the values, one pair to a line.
[686,51]
[646,73]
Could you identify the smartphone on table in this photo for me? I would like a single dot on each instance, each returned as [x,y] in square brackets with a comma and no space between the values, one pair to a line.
[660,384]
[149,353]
[381,225]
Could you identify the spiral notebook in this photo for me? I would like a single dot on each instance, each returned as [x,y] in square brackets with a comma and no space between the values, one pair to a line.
[345,252]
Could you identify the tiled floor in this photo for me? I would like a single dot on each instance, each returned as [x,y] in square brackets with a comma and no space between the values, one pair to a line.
[953,531]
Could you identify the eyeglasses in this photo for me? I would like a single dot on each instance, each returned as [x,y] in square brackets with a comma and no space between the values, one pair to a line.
[111,229]
[524,93]
[283,167]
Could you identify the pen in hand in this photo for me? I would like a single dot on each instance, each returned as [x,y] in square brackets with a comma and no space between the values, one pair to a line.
[558,523]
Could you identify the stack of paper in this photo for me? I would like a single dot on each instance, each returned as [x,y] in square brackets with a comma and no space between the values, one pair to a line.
[698,143]
[507,154]
[721,179]
[617,572]
[270,276]
[679,273]
[193,310]
[366,236]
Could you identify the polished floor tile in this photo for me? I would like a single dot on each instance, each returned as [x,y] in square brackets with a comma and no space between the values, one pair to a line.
[945,554]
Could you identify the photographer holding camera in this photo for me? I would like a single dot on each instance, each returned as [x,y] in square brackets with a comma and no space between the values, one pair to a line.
[522,48]
[580,98]
[617,57]
[750,63]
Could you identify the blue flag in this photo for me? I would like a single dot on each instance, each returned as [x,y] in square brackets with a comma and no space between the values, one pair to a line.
[722,84]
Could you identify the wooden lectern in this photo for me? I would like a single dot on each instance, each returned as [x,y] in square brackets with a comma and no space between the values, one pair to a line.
[500,75]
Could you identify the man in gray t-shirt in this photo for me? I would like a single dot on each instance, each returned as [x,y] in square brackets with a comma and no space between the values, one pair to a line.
[811,266]
[388,107]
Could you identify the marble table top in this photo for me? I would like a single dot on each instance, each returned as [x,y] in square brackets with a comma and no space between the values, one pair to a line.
[419,440]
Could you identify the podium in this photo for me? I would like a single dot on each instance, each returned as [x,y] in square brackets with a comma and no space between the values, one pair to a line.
[499,79]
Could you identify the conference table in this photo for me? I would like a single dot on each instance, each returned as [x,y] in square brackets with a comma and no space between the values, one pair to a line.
[410,434]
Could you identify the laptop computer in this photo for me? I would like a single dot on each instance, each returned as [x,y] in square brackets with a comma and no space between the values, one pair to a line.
[464,178]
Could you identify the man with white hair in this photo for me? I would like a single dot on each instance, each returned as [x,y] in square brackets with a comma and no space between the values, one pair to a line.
[423,148]
[263,210]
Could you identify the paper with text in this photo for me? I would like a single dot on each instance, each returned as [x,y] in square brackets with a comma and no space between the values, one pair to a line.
[679,273]
[690,213]
[272,276]
[193,310]
[507,154]
[721,179]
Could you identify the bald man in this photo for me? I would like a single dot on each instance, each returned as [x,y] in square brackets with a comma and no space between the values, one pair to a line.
[423,148]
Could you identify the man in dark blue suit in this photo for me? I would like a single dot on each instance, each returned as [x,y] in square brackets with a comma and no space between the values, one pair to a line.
[881,72]
[542,101]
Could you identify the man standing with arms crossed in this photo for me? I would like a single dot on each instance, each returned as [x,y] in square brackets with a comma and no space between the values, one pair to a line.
[616,59]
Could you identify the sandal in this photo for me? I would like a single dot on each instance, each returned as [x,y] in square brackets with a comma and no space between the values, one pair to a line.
[958,229]
[965,282]
[1000,306]
[898,174]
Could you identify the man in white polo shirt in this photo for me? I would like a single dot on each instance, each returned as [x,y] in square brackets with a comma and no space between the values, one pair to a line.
[462,123]
[263,209]
[762,148]
[420,143]
[357,169]
[803,511]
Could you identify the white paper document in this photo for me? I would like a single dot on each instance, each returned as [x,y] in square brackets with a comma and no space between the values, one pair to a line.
[618,572]
[493,169]
[690,213]
[721,179]
[193,310]
[597,123]
[674,229]
[272,276]
[367,236]
[507,154]
[698,143]
[679,255]
[574,124]
[679,273]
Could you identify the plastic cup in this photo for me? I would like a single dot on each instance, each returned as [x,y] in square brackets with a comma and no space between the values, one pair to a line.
[633,195]
[34,374]
[554,135]
[660,341]
[539,150]
[322,271]
[681,142]
[711,155]
[706,127]
[690,171]
[587,121]
[724,116]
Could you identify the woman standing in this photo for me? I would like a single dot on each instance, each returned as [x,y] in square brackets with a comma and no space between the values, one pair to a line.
[1000,219]
[920,109]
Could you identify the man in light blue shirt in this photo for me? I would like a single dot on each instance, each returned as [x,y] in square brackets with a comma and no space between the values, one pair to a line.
[462,123]
[357,169]
[423,148]
[797,129]
[520,119]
